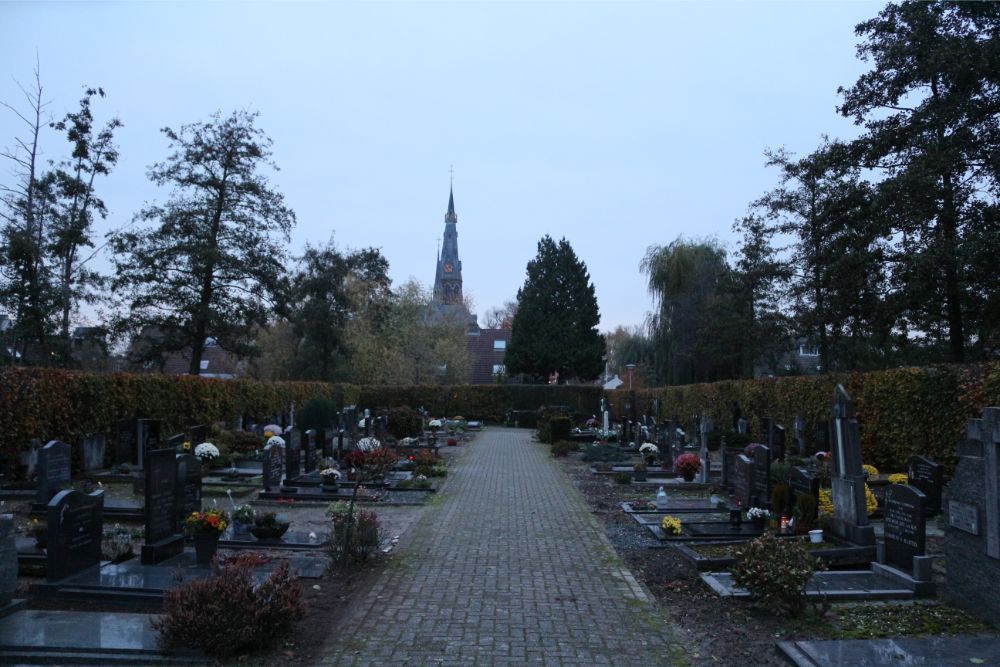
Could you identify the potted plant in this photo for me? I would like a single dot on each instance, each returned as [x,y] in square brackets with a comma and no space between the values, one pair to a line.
[206,453]
[649,451]
[205,528]
[243,517]
[671,525]
[639,471]
[269,526]
[329,478]
[116,544]
[759,516]
[687,464]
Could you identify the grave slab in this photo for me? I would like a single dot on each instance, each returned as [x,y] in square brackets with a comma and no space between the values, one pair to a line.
[836,586]
[933,651]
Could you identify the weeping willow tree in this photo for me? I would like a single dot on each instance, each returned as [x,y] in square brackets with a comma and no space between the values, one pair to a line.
[695,325]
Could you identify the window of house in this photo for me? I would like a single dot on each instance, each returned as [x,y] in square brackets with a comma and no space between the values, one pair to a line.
[204,364]
[808,351]
[499,345]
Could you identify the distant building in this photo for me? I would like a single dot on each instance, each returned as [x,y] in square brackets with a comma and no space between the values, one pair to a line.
[486,347]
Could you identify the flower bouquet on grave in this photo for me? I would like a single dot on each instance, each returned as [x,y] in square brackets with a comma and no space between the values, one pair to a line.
[649,451]
[206,452]
[687,464]
[269,526]
[39,531]
[116,544]
[275,440]
[329,477]
[243,517]
[759,516]
[671,525]
[205,528]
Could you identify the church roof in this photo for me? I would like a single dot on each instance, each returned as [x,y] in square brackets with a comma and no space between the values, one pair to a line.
[451,202]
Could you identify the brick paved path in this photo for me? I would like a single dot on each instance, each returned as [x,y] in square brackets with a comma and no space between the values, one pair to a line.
[509,568]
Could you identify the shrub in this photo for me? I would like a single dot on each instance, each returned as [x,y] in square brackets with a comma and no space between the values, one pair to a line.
[559,428]
[623,478]
[563,448]
[780,471]
[404,422]
[776,572]
[226,613]
[239,442]
[781,497]
[317,413]
[365,536]
[805,511]
[608,453]
[426,457]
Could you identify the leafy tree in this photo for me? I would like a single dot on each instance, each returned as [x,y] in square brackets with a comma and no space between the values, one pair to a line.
[928,107]
[630,345]
[210,265]
[555,327]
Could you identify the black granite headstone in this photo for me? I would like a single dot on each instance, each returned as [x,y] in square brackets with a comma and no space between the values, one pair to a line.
[93,447]
[821,437]
[75,523]
[766,430]
[905,525]
[293,453]
[198,434]
[328,435]
[803,483]
[309,456]
[778,442]
[274,466]
[743,479]
[147,438]
[188,498]
[53,470]
[176,442]
[761,495]
[162,538]
[927,476]
[125,439]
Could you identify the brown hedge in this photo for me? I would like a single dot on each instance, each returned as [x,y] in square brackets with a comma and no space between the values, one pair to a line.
[901,411]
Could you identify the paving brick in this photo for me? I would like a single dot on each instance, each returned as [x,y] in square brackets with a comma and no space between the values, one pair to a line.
[510,568]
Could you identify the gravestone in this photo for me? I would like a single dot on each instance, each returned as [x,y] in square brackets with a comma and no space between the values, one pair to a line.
[778,442]
[850,511]
[309,457]
[728,461]
[799,436]
[327,447]
[8,559]
[972,540]
[175,442]
[125,441]
[766,431]
[742,426]
[198,434]
[53,470]
[905,526]
[162,538]
[803,483]
[743,480]
[75,522]
[93,447]
[293,453]
[927,476]
[821,437]
[147,438]
[188,498]
[705,427]
[274,466]
[761,478]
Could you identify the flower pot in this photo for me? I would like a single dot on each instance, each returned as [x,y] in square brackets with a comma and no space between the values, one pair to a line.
[241,529]
[816,536]
[205,546]
[269,532]
[688,476]
[331,487]
[760,523]
[639,475]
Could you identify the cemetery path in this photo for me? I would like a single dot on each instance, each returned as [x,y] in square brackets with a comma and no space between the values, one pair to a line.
[508,568]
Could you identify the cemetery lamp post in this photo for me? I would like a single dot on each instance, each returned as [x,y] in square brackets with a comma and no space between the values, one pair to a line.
[630,368]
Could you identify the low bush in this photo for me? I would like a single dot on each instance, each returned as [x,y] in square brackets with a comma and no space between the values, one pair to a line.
[227,614]
[623,478]
[776,572]
[365,534]
[426,457]
[238,442]
[404,422]
[781,498]
[319,412]
[563,448]
[805,511]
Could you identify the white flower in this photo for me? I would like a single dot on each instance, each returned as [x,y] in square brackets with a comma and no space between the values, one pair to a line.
[368,444]
[206,451]
[434,423]
[758,513]
[276,440]
[330,472]
[649,448]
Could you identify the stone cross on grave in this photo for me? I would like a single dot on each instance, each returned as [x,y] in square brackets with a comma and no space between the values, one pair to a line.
[987,431]
[850,514]
[704,428]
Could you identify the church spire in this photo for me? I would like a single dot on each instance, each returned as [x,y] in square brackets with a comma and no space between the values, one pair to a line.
[450,216]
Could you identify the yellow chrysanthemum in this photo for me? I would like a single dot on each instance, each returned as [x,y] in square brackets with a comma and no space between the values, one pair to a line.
[899,478]
[825,502]
[870,469]
[871,502]
[671,525]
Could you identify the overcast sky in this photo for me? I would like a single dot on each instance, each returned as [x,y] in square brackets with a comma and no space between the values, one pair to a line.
[615,125]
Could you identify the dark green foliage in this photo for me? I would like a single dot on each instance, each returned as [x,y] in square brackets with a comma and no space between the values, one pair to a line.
[555,327]
[734,439]
[780,471]
[404,422]
[559,428]
[563,447]
[362,538]
[776,572]
[317,413]
[609,453]
[781,498]
[622,478]
[805,511]
[226,613]
[211,265]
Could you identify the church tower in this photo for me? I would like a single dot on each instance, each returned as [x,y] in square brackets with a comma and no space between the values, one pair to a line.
[448,279]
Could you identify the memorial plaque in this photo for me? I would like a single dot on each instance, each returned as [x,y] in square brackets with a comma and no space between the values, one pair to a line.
[274,466]
[964,516]
[125,440]
[53,470]
[803,483]
[188,497]
[93,451]
[927,476]
[905,525]
[75,521]
[161,494]
[761,480]
[743,480]
[327,442]
[293,453]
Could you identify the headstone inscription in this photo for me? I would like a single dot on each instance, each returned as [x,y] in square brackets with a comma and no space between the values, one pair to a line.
[74,532]
[125,439]
[743,480]
[905,525]
[850,512]
[93,447]
[188,487]
[927,476]
[162,533]
[53,470]
[147,438]
[761,495]
[972,539]
[309,456]
[274,466]
[293,453]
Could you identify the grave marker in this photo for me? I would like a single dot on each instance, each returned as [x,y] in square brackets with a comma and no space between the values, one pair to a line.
[743,480]
[803,483]
[125,441]
[162,534]
[705,427]
[274,466]
[188,498]
[198,434]
[147,438]
[761,478]
[778,442]
[310,451]
[75,522]
[293,453]
[93,447]
[905,525]
[53,470]
[927,476]
[850,511]
[176,442]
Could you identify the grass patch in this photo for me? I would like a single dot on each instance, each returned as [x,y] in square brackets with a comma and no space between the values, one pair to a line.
[873,621]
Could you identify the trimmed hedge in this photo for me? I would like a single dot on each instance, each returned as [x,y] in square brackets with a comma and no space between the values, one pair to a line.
[901,411]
